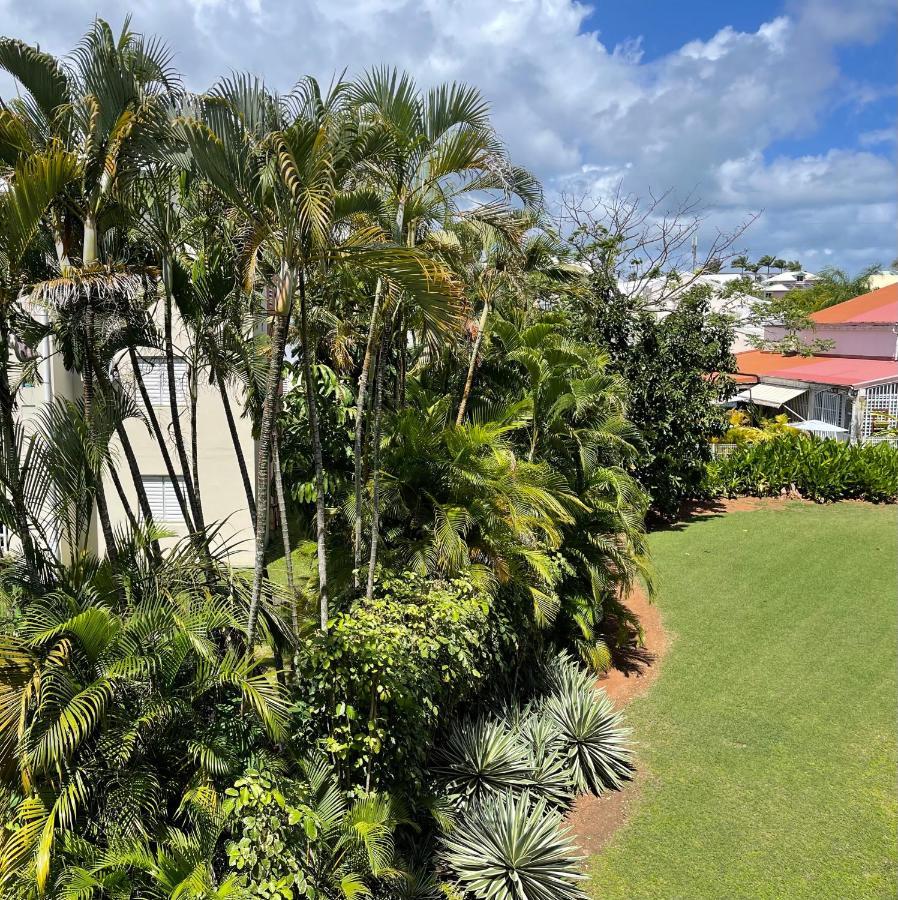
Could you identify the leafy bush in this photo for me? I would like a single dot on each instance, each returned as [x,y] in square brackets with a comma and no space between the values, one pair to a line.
[665,362]
[374,688]
[818,469]
[303,838]
[741,431]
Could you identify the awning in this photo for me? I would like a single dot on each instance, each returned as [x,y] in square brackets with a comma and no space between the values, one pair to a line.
[769,394]
[818,425]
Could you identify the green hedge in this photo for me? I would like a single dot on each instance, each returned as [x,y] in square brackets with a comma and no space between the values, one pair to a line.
[818,469]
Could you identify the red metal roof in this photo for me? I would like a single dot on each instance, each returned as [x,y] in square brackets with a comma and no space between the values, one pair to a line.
[847,371]
[876,308]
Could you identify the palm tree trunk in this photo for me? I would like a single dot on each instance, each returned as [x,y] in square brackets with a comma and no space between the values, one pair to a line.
[194,442]
[311,403]
[160,439]
[123,499]
[238,450]
[359,431]
[285,529]
[180,447]
[133,467]
[375,499]
[11,452]
[87,383]
[472,364]
[269,407]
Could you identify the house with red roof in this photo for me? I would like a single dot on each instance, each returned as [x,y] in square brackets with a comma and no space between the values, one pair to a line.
[853,385]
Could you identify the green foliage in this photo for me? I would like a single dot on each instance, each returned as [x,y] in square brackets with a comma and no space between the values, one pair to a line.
[121,703]
[373,689]
[832,286]
[510,848]
[567,740]
[509,779]
[303,837]
[821,470]
[742,432]
[666,363]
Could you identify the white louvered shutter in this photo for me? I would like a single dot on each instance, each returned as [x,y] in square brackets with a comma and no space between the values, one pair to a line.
[162,498]
[155,379]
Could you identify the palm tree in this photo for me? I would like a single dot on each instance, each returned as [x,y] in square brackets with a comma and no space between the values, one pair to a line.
[285,164]
[30,188]
[95,736]
[768,262]
[740,262]
[106,106]
[439,151]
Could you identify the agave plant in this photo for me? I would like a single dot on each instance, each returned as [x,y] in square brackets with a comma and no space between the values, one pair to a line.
[480,758]
[549,769]
[592,738]
[511,848]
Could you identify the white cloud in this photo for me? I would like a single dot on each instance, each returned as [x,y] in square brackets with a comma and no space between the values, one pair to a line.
[699,119]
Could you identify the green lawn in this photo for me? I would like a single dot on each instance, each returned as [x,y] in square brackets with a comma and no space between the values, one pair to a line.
[770,736]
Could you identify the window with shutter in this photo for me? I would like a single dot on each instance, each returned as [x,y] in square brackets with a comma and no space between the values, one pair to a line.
[162,498]
[155,379]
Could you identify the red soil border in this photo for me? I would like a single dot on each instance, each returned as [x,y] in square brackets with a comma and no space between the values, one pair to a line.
[594,820]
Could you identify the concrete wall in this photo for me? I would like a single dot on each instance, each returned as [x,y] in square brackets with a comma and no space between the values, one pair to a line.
[221,487]
[850,340]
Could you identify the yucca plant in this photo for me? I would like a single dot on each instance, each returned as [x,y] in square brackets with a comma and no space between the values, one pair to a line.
[512,848]
[549,769]
[481,758]
[592,738]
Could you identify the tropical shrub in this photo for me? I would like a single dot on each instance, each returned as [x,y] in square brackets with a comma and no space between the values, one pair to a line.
[819,469]
[741,431]
[667,364]
[303,837]
[373,689]
[126,704]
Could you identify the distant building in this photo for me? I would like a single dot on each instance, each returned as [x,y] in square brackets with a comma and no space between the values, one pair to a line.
[882,279]
[661,296]
[777,285]
[853,386]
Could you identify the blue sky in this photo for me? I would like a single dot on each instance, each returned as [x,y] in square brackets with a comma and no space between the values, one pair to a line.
[780,110]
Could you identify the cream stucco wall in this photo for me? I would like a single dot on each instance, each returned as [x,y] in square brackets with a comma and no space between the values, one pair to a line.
[221,487]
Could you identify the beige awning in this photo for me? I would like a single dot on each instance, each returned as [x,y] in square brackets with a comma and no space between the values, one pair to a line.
[769,395]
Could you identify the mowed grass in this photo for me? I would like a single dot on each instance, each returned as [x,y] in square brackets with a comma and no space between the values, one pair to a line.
[769,738]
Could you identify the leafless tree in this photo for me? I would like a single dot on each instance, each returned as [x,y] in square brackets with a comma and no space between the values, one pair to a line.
[647,246]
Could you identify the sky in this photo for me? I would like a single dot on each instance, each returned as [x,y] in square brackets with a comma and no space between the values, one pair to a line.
[780,109]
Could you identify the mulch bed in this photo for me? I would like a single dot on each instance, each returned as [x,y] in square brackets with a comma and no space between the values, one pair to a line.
[595,819]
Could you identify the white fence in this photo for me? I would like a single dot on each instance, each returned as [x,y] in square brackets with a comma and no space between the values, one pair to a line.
[721,451]
[882,439]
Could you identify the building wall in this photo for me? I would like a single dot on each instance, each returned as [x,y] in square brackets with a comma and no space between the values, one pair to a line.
[221,487]
[871,341]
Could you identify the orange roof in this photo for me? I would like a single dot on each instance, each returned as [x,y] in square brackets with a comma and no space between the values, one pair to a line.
[847,371]
[876,308]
